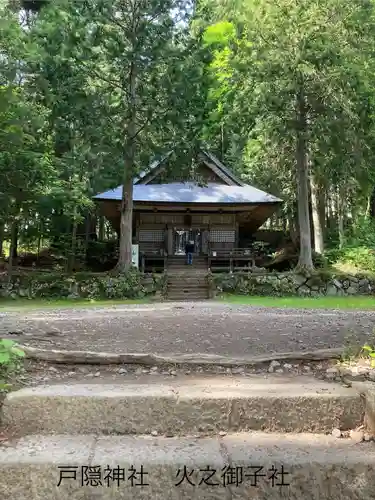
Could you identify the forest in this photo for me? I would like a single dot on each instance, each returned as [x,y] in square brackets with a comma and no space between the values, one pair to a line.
[282,91]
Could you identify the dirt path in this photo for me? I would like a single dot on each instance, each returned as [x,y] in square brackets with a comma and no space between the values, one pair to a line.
[207,327]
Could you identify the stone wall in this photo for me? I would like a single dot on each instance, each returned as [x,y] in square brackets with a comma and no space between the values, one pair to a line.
[45,285]
[290,284]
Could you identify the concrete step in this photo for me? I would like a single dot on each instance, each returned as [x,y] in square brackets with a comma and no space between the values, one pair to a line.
[284,466]
[186,405]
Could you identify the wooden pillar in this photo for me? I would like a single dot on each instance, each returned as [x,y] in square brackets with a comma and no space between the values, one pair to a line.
[237,232]
[170,241]
[205,242]
[137,224]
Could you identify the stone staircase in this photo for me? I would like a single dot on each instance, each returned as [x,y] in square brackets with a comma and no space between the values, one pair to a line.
[201,438]
[187,282]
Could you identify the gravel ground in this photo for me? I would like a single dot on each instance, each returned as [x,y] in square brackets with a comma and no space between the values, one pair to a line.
[201,327]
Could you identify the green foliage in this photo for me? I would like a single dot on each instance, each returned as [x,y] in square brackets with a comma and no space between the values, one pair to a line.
[70,127]
[220,33]
[102,255]
[370,352]
[128,285]
[362,233]
[10,356]
[9,352]
[360,258]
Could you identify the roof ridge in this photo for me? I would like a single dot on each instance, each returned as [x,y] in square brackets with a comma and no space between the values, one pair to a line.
[218,164]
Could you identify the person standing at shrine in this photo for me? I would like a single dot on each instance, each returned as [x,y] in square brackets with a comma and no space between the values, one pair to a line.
[189,250]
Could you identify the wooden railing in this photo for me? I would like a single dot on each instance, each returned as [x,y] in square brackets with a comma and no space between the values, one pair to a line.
[239,259]
[236,259]
[239,253]
[155,255]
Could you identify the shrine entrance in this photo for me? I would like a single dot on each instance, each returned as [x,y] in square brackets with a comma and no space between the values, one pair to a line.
[182,236]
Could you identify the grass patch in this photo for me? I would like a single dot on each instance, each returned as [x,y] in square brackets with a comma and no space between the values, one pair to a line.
[352,302]
[21,305]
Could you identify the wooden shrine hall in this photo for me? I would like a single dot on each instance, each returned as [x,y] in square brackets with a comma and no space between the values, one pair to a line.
[209,206]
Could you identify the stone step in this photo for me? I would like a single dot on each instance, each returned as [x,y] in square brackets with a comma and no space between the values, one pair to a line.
[182,274]
[186,288]
[178,296]
[182,265]
[187,272]
[177,285]
[304,466]
[183,260]
[186,267]
[187,279]
[173,258]
[186,405]
[190,270]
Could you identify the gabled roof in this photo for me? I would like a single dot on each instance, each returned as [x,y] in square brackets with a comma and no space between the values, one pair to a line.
[233,191]
[189,192]
[222,168]
[153,166]
[213,163]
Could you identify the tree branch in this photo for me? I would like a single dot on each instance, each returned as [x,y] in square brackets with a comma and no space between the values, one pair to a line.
[98,75]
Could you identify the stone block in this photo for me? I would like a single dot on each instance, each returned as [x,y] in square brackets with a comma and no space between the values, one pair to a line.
[33,467]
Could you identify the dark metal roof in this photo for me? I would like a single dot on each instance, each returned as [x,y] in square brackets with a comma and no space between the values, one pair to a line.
[191,193]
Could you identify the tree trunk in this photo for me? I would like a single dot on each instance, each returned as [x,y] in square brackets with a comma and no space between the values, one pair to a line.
[90,232]
[222,142]
[305,262]
[316,216]
[321,195]
[372,203]
[293,227]
[101,228]
[126,227]
[126,217]
[368,207]
[340,215]
[1,238]
[332,210]
[40,236]
[12,248]
[73,247]
[284,224]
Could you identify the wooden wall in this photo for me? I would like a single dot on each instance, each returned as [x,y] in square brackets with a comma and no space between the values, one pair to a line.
[166,220]
[180,219]
[155,230]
